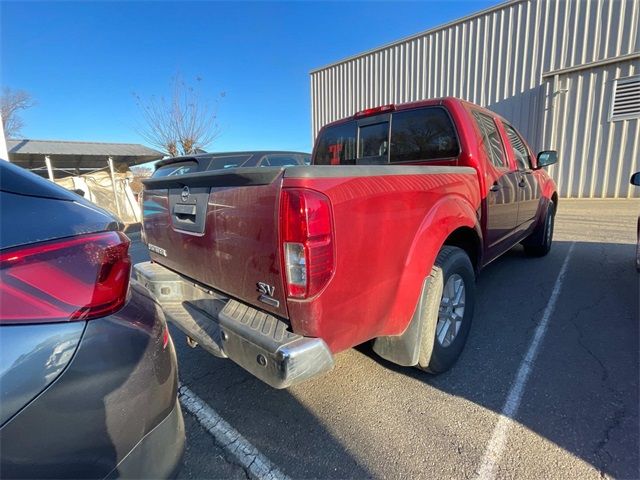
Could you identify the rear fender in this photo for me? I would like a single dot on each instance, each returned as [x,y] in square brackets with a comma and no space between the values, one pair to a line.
[448,215]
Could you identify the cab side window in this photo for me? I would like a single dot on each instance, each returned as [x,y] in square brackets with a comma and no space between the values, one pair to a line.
[519,149]
[491,141]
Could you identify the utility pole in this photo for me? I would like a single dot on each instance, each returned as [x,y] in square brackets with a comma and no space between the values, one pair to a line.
[47,162]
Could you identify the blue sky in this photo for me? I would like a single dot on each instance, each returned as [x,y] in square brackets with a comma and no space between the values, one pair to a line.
[83,61]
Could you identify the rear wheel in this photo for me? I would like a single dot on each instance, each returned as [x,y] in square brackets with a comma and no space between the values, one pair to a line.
[446,326]
[539,242]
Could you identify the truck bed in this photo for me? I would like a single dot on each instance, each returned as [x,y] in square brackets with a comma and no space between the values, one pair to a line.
[222,230]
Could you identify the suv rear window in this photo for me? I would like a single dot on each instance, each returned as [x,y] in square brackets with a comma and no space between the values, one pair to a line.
[417,135]
[281,160]
[178,168]
[228,161]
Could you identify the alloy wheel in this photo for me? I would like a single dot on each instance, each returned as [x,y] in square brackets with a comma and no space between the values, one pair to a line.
[451,310]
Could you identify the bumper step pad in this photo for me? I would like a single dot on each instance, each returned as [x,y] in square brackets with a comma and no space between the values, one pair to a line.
[259,342]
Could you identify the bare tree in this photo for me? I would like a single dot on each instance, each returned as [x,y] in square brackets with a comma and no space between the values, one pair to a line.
[140,172]
[180,124]
[11,102]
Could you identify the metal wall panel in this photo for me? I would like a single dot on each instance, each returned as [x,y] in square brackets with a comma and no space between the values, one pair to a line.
[546,65]
[598,155]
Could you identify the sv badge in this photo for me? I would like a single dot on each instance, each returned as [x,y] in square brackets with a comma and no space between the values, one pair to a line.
[266,289]
[267,292]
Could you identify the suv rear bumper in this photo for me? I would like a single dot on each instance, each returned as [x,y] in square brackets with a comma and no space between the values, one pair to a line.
[159,454]
[115,405]
[259,342]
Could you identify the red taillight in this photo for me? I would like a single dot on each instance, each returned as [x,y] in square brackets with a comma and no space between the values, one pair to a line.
[77,278]
[307,241]
[373,111]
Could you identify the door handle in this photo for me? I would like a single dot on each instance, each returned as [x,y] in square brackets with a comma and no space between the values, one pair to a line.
[181,209]
[185,213]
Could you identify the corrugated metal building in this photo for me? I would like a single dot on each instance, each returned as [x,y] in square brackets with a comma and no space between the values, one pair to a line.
[565,72]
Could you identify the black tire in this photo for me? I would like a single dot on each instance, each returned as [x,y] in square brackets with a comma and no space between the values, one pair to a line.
[434,356]
[538,244]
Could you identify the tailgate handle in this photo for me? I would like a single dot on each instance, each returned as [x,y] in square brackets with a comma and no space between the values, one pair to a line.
[185,213]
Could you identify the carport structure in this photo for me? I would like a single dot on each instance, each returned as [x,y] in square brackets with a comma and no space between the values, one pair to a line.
[64,158]
[56,159]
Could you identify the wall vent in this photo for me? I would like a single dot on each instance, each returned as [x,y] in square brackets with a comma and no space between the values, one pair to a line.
[626,99]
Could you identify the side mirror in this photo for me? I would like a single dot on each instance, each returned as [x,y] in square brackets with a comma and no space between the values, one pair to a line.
[635,179]
[547,157]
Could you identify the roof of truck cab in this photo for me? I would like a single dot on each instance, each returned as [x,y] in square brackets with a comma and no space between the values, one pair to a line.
[419,103]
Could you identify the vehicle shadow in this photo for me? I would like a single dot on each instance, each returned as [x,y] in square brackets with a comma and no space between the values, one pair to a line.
[276,422]
[582,393]
[364,418]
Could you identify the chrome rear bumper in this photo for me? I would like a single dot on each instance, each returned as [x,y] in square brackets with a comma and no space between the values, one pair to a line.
[259,342]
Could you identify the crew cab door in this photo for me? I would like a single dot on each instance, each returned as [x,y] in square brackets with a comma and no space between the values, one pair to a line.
[502,186]
[528,190]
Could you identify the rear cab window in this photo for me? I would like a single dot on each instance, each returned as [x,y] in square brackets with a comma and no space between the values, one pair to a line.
[417,135]
[337,145]
[423,134]
[373,143]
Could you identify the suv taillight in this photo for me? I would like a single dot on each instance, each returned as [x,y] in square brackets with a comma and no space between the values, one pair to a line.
[75,278]
[307,238]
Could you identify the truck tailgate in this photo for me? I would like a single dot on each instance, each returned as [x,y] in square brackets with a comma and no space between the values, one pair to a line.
[220,229]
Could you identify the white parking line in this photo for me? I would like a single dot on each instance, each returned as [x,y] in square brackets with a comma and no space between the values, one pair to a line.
[498,440]
[249,457]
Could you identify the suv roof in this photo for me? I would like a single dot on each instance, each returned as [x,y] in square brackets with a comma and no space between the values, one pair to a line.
[208,156]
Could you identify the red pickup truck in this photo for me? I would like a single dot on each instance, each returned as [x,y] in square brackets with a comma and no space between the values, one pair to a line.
[381,238]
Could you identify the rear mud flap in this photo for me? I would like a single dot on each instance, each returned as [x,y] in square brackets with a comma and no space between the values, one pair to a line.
[405,349]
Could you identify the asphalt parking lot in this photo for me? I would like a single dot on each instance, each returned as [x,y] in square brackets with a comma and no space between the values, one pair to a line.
[578,417]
